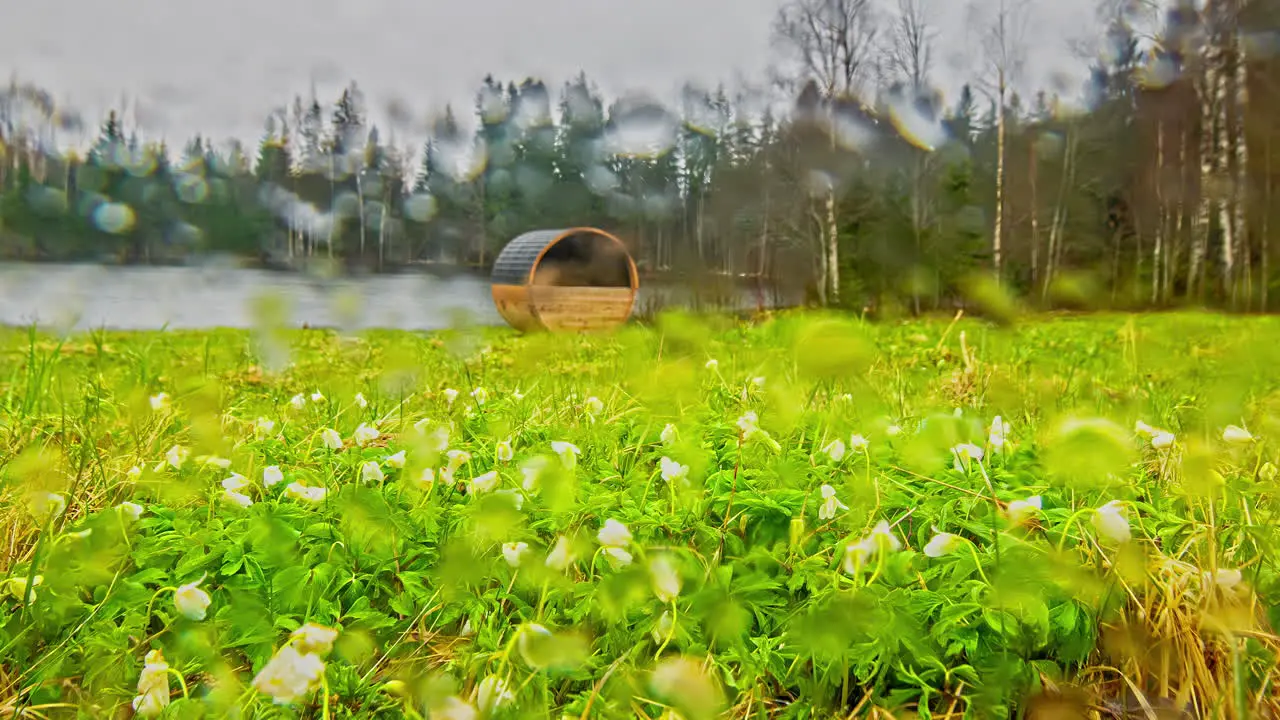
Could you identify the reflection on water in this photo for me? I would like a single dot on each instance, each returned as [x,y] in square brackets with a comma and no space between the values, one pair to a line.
[141,298]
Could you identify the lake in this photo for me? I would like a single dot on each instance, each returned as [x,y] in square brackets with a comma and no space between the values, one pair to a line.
[148,298]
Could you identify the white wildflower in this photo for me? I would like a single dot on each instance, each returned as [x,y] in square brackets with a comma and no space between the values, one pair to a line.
[663,628]
[453,708]
[672,471]
[492,693]
[214,461]
[46,507]
[617,557]
[614,534]
[1020,511]
[365,434]
[17,586]
[289,675]
[262,427]
[371,472]
[160,401]
[457,458]
[835,450]
[312,638]
[1237,435]
[191,601]
[331,439]
[298,491]
[514,496]
[669,435]
[1111,522]
[515,552]
[396,460]
[503,452]
[942,544]
[665,578]
[485,483]
[561,555]
[568,453]
[271,475]
[153,686]
[996,435]
[176,456]
[236,498]
[361,402]
[438,440]
[964,454]
[880,539]
[1227,579]
[532,469]
[830,503]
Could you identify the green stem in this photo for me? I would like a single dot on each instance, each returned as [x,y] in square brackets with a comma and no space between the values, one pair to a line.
[542,600]
[29,590]
[977,563]
[151,603]
[1066,529]
[880,553]
[670,633]
[324,688]
[182,682]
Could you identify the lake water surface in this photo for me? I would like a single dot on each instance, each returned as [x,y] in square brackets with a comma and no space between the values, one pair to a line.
[148,298]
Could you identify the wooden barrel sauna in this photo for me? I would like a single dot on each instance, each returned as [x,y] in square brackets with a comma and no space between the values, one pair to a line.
[578,279]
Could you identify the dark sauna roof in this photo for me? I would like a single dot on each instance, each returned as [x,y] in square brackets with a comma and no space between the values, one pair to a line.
[515,262]
[516,259]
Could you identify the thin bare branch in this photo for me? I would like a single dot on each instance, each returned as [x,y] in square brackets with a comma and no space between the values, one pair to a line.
[832,40]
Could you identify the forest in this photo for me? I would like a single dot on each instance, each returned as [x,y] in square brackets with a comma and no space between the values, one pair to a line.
[870,188]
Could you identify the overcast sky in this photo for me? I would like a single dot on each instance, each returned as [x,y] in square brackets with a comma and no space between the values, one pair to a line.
[219,67]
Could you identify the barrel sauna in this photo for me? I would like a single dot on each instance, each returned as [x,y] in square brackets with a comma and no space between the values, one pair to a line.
[578,279]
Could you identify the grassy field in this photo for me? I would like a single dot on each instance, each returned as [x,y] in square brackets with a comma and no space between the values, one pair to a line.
[807,517]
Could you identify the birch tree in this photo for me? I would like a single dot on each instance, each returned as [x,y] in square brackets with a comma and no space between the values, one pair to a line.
[834,44]
[910,60]
[1002,62]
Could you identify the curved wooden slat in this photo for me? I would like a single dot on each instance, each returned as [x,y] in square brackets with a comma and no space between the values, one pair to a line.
[528,300]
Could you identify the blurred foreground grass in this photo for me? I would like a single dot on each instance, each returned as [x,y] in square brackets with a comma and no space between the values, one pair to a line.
[807,517]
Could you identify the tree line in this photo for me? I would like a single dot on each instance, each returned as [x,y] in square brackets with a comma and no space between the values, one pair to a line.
[869,190]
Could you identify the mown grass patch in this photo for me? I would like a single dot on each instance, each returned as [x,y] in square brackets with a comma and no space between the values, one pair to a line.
[806,517]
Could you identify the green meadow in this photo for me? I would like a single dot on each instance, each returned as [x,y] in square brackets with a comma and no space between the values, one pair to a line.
[802,516]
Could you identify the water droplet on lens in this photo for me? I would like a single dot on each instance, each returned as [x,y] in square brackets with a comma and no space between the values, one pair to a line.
[420,207]
[115,218]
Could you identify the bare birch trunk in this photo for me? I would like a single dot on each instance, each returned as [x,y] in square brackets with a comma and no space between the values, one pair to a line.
[1240,157]
[997,245]
[1054,252]
[1162,217]
[360,212]
[1207,93]
[1222,163]
[1035,216]
[823,256]
[332,221]
[1264,232]
[833,249]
